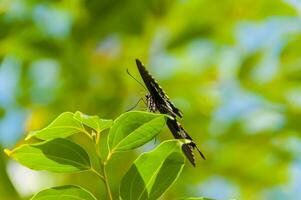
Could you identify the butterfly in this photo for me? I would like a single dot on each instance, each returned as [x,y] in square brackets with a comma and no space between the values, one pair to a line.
[157,100]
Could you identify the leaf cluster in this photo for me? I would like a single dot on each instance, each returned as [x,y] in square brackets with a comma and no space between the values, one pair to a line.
[150,175]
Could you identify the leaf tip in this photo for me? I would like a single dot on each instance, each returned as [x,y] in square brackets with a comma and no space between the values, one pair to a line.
[7,152]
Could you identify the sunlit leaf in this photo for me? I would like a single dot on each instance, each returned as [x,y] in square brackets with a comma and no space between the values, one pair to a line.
[66,192]
[63,126]
[134,129]
[93,121]
[58,155]
[153,172]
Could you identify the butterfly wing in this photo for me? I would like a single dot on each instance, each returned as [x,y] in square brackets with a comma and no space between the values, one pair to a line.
[188,151]
[179,133]
[160,98]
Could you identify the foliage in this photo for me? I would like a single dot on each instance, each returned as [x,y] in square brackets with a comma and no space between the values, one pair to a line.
[67,192]
[149,176]
[152,173]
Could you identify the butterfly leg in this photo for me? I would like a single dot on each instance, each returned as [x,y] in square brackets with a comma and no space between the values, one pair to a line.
[141,99]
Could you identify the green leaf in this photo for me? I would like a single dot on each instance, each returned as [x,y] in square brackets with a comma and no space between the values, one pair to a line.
[133,129]
[153,172]
[58,155]
[93,121]
[63,126]
[67,192]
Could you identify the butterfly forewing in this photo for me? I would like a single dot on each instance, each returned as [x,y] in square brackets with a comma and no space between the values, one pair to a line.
[160,98]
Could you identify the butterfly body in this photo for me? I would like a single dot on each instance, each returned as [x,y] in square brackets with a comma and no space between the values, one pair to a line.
[150,103]
[157,100]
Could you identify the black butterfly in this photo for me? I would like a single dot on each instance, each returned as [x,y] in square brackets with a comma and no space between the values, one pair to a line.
[158,100]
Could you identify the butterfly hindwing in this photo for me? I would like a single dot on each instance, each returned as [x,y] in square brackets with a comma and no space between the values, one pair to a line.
[179,133]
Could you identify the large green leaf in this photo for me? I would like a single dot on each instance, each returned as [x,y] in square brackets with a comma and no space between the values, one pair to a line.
[153,172]
[62,127]
[67,192]
[58,155]
[134,129]
[93,122]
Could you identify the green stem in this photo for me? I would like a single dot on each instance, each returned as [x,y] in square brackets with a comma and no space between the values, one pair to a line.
[103,167]
[103,177]
[108,157]
[87,134]
[98,174]
[106,181]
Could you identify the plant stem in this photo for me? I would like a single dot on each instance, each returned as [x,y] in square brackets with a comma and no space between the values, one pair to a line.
[86,133]
[103,177]
[106,181]
[110,153]
[98,174]
[103,167]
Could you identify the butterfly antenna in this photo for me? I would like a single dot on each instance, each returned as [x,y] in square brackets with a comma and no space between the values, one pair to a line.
[127,70]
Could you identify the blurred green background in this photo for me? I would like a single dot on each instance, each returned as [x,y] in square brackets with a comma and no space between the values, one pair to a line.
[233,68]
